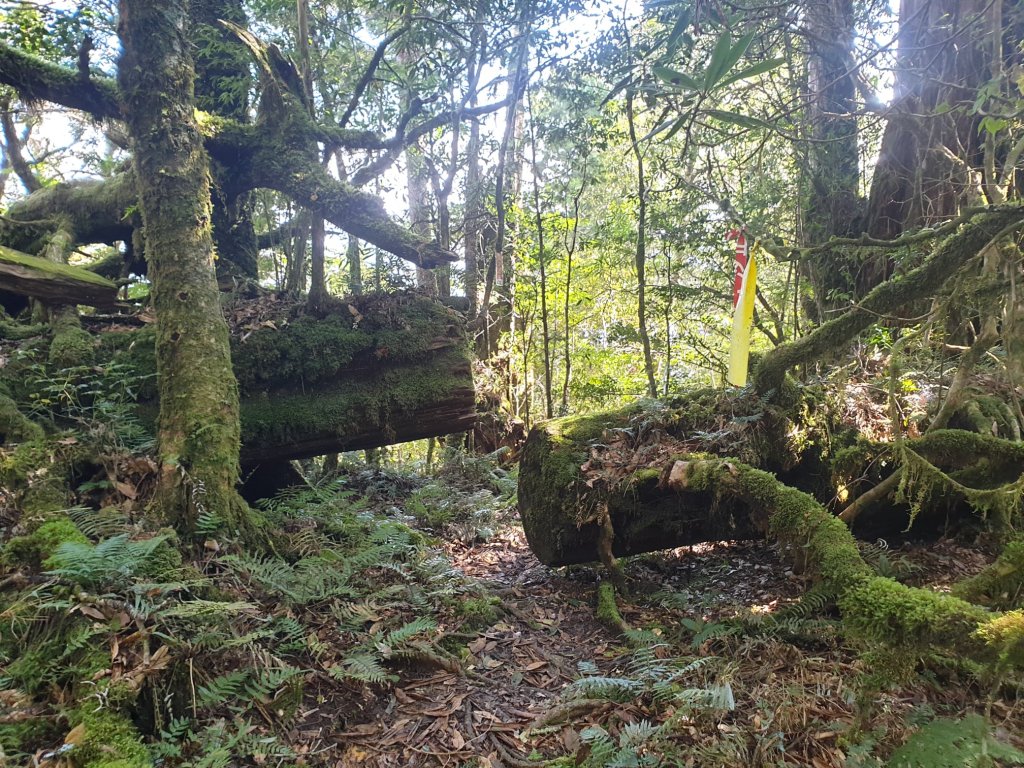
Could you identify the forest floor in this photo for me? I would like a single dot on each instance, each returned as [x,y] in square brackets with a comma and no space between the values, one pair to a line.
[547,681]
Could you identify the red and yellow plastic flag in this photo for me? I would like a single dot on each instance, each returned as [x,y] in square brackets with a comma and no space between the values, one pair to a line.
[744,291]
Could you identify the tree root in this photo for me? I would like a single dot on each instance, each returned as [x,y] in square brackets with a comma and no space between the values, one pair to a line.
[566,711]
[606,538]
[608,611]
[873,608]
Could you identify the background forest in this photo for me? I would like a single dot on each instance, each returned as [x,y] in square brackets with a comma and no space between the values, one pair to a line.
[251,250]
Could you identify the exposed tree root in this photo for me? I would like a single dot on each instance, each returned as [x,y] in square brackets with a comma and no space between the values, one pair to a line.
[949,406]
[608,610]
[873,608]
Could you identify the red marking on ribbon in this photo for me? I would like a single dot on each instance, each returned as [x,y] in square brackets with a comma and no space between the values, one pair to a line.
[741,261]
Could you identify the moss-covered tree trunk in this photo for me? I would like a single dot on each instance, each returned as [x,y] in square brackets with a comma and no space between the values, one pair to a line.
[198,427]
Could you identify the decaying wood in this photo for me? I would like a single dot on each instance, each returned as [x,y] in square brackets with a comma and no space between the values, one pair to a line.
[55,283]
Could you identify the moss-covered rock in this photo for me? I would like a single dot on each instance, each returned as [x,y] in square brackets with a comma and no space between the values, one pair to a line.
[15,427]
[72,347]
[37,473]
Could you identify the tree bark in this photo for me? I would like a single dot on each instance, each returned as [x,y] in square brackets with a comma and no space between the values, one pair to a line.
[198,425]
[640,253]
[55,283]
[377,370]
[940,60]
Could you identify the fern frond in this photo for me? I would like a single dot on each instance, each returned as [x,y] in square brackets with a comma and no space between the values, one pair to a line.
[360,666]
[404,634]
[612,688]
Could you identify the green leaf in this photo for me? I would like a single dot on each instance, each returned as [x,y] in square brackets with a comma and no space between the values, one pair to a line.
[675,77]
[620,86]
[672,126]
[724,57]
[735,118]
[993,124]
[682,22]
[751,71]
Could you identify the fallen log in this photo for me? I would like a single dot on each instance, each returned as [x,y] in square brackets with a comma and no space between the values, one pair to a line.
[377,370]
[56,283]
[581,475]
[596,487]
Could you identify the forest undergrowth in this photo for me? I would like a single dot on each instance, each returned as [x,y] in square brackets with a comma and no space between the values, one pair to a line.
[396,617]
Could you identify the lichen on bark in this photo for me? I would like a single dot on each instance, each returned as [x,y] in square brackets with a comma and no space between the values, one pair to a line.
[198,425]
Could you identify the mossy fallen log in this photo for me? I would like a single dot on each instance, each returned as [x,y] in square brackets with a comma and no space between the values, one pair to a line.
[578,473]
[378,370]
[57,283]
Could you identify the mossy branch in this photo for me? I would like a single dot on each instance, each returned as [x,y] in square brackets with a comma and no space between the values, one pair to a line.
[36,79]
[950,255]
[874,608]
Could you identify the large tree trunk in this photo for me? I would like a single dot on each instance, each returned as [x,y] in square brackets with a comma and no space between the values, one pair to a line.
[925,162]
[832,207]
[378,370]
[198,425]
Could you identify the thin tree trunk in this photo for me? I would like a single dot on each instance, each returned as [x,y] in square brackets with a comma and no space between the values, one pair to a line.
[640,255]
[318,237]
[570,251]
[549,409]
[495,270]
[355,266]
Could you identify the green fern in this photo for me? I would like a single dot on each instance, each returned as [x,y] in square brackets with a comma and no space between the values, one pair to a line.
[111,564]
[966,743]
[363,666]
[398,637]
[99,524]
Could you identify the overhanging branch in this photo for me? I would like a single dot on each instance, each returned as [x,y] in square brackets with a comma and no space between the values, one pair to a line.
[945,261]
[36,79]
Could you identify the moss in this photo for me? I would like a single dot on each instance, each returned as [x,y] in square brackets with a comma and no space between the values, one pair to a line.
[109,740]
[15,427]
[37,470]
[35,549]
[1004,635]
[873,608]
[348,407]
[72,347]
[1000,585]
[881,609]
[402,327]
[41,265]
[14,331]
[165,562]
[607,610]
[479,612]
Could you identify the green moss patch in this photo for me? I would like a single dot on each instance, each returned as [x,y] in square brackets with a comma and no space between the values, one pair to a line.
[1000,585]
[37,548]
[108,740]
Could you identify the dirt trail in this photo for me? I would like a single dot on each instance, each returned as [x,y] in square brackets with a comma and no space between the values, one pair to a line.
[792,694]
